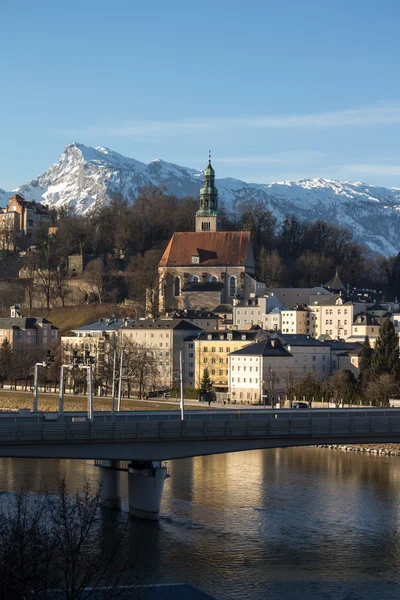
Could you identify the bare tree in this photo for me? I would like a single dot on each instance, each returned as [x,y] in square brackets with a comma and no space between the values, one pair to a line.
[141,366]
[61,287]
[340,387]
[98,275]
[380,389]
[54,542]
[271,267]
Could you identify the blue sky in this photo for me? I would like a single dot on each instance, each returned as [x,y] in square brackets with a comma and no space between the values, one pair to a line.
[277,90]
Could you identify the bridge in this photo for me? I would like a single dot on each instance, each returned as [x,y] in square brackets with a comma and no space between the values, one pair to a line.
[146,439]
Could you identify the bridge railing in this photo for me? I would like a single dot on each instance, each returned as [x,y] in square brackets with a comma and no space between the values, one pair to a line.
[143,430]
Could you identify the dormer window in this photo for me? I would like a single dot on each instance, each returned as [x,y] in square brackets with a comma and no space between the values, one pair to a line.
[209,336]
[230,336]
[243,336]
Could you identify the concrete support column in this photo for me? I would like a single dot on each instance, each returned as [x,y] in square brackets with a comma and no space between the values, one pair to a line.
[110,495]
[145,488]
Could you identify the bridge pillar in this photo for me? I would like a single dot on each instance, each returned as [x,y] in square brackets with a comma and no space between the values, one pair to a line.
[110,496]
[145,488]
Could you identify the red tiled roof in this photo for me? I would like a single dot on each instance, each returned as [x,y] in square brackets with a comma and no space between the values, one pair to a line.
[217,248]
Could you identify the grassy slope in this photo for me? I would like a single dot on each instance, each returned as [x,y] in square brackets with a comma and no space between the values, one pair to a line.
[72,317]
[49,402]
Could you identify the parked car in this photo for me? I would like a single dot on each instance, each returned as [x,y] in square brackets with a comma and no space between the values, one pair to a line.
[166,395]
[300,405]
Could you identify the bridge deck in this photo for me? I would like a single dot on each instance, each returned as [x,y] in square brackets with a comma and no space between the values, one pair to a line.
[160,436]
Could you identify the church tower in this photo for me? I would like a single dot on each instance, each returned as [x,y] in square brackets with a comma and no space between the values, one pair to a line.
[207,215]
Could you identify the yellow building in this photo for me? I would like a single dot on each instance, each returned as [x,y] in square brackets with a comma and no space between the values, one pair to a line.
[212,350]
[365,325]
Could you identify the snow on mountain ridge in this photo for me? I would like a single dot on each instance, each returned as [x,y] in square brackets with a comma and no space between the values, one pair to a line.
[84,176]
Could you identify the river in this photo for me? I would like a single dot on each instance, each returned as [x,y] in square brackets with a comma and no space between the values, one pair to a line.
[287,524]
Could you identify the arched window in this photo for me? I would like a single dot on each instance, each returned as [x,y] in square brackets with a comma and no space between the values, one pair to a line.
[213,279]
[177,286]
[232,285]
[195,279]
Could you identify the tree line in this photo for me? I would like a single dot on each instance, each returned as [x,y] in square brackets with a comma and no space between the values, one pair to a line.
[124,242]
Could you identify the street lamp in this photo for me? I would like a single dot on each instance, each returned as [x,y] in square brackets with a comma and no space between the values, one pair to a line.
[49,358]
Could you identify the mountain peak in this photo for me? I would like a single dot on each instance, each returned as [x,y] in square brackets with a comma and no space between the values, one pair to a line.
[84,176]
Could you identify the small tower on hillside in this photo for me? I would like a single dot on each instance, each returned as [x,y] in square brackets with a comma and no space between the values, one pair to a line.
[207,215]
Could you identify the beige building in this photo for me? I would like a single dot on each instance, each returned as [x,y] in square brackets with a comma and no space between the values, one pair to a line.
[297,320]
[365,325]
[166,338]
[212,351]
[23,216]
[34,331]
[334,316]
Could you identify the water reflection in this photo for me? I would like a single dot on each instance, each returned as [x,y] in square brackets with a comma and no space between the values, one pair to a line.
[283,523]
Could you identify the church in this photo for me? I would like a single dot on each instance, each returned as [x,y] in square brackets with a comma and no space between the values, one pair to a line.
[206,267]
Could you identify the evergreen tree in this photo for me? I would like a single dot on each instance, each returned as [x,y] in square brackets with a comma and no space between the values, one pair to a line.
[365,361]
[386,355]
[206,383]
[6,360]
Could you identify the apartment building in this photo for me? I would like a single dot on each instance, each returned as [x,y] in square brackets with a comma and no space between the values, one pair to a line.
[262,369]
[253,311]
[23,216]
[273,320]
[166,338]
[99,338]
[34,331]
[254,369]
[364,325]
[212,351]
[297,320]
[309,354]
[334,316]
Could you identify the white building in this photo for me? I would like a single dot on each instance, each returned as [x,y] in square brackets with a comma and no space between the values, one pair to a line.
[297,320]
[263,369]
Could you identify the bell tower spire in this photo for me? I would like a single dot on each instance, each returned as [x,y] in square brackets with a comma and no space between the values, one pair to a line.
[207,215]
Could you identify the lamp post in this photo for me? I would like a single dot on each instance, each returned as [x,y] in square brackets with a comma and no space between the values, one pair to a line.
[120,381]
[49,358]
[36,385]
[182,391]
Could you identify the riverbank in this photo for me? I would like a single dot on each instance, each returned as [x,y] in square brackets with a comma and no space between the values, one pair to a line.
[376,449]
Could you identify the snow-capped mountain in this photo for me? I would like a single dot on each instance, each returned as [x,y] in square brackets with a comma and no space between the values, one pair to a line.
[84,176]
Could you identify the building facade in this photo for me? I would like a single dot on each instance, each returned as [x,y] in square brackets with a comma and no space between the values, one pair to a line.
[23,216]
[33,331]
[212,350]
[166,339]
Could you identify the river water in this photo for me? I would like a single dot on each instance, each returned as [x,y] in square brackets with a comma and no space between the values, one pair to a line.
[297,523]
